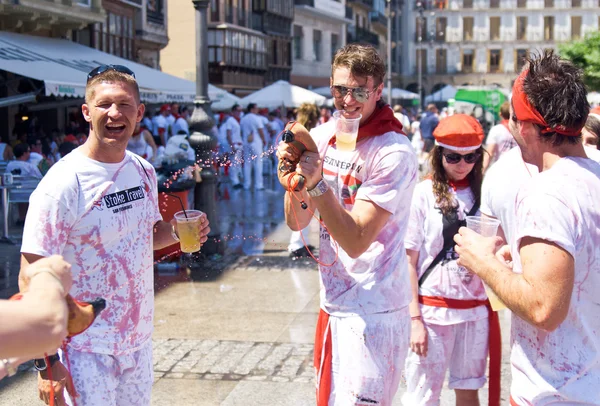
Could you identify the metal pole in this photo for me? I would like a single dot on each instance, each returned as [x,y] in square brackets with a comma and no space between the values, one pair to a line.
[389,51]
[202,138]
[420,58]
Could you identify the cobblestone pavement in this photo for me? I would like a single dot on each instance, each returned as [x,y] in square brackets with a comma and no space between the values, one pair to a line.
[233,361]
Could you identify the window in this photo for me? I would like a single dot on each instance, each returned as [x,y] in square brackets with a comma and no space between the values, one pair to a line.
[522,3]
[335,43]
[494,3]
[548,3]
[298,37]
[576,3]
[495,60]
[422,60]
[317,45]
[85,3]
[521,28]
[548,28]
[440,29]
[520,55]
[214,10]
[468,23]
[229,11]
[468,60]
[241,17]
[467,3]
[440,61]
[575,27]
[495,28]
[421,29]
[115,36]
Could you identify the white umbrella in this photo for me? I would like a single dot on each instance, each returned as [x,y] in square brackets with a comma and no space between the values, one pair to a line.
[221,99]
[442,95]
[282,93]
[399,94]
[323,91]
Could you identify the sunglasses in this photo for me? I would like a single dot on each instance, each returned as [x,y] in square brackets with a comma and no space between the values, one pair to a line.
[359,94]
[104,68]
[454,158]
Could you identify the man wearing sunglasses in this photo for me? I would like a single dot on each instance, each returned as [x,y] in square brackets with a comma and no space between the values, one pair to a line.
[98,208]
[363,197]
[552,288]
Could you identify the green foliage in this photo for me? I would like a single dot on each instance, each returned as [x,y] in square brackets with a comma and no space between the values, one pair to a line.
[586,55]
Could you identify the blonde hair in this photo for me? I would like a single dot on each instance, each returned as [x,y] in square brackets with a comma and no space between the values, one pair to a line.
[362,60]
[308,115]
[110,76]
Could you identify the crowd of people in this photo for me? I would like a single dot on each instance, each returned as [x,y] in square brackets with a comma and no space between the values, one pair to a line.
[402,279]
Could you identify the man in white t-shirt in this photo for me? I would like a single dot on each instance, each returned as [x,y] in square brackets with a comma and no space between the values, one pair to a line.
[398,113]
[363,198]
[230,135]
[35,145]
[554,243]
[21,165]
[161,126]
[98,208]
[500,139]
[254,136]
[181,123]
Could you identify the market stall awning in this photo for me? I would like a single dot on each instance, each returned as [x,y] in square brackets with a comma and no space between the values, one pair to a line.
[63,67]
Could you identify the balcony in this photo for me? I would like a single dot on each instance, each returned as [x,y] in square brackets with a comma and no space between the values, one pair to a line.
[155,17]
[349,13]
[309,3]
[378,18]
[364,3]
[361,35]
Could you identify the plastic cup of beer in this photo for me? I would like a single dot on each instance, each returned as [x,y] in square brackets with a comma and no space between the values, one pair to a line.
[486,227]
[346,131]
[188,228]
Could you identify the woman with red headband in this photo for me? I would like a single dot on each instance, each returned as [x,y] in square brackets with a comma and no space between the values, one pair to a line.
[450,327]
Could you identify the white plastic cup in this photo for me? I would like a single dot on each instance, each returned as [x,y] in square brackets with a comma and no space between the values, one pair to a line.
[346,131]
[486,227]
[188,228]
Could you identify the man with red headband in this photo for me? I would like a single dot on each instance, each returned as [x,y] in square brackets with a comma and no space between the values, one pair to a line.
[363,197]
[552,286]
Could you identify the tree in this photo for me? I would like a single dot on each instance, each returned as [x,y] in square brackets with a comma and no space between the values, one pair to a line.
[586,55]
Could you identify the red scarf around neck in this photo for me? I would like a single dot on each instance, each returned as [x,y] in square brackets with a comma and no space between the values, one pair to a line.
[458,185]
[381,121]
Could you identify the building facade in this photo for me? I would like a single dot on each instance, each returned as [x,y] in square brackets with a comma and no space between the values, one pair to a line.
[483,42]
[319,30]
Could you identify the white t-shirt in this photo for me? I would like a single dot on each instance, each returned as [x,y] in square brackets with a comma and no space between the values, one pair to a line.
[181,124]
[277,126]
[230,124]
[100,218]
[171,121]
[447,278]
[383,170]
[563,366]
[502,138]
[35,158]
[502,183]
[250,124]
[160,121]
[23,168]
[404,121]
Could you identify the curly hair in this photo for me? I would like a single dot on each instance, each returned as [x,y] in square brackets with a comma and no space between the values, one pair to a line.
[555,87]
[441,190]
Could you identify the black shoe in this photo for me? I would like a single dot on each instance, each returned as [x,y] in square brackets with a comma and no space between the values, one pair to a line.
[303,252]
[238,186]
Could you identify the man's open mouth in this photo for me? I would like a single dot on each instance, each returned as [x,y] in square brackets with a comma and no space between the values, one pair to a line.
[115,128]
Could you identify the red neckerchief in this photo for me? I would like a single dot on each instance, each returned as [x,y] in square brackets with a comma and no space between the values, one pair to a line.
[524,111]
[460,184]
[381,121]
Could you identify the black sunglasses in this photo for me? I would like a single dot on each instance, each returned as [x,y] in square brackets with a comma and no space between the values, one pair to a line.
[360,94]
[103,68]
[454,158]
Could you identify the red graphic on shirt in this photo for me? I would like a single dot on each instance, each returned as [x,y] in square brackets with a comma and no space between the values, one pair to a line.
[350,185]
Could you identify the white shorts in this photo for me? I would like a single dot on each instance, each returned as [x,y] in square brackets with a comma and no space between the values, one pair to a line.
[462,348]
[368,353]
[107,380]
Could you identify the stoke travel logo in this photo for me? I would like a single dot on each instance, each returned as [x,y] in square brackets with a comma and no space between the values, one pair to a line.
[122,200]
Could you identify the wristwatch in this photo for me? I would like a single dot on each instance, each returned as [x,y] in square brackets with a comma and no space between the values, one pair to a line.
[319,189]
[40,363]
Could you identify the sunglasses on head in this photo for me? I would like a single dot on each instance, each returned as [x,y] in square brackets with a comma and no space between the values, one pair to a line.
[104,68]
[454,158]
[360,94]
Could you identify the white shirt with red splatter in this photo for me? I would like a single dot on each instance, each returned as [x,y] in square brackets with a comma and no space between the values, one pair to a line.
[425,235]
[561,367]
[382,170]
[100,217]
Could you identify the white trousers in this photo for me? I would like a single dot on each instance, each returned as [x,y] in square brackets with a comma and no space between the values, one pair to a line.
[296,239]
[462,348]
[368,353]
[235,170]
[253,162]
[106,380]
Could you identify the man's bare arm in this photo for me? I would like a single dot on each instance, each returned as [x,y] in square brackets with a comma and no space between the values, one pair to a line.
[26,259]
